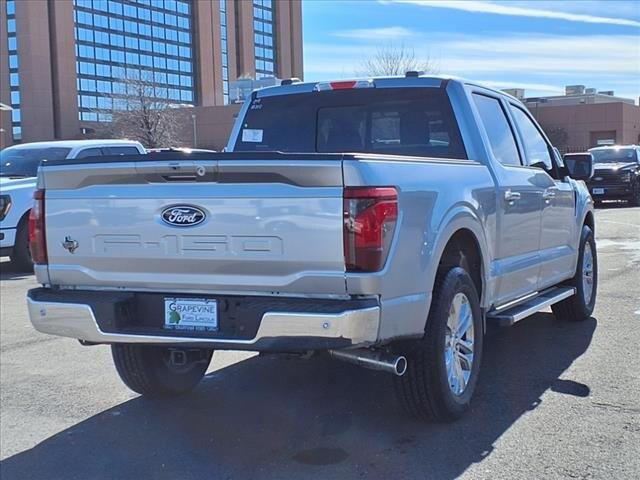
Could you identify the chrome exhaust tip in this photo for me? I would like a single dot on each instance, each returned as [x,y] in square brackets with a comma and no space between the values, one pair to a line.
[400,365]
[374,360]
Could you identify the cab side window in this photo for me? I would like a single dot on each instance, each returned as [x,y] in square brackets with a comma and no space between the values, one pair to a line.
[494,119]
[535,146]
[121,151]
[90,152]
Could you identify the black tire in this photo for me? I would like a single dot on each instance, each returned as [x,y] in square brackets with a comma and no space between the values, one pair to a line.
[576,308]
[21,255]
[424,390]
[148,370]
[634,201]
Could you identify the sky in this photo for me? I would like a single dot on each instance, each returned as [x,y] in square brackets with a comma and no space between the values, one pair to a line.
[540,46]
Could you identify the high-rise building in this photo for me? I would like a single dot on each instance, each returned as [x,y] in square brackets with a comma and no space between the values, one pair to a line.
[63,63]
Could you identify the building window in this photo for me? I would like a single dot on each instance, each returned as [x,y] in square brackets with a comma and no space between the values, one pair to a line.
[120,39]
[14,78]
[264,32]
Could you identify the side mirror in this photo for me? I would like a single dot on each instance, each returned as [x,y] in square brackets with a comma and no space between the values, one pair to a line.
[579,166]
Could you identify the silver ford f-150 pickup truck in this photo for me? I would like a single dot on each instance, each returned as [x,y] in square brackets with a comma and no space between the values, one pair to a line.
[385,222]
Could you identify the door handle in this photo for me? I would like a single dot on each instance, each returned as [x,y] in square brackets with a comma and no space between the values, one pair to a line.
[511,196]
[548,195]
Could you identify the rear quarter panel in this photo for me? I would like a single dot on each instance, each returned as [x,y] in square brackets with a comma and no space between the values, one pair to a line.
[436,199]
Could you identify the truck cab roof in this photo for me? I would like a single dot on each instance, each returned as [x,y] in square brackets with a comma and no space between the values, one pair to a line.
[410,79]
[73,144]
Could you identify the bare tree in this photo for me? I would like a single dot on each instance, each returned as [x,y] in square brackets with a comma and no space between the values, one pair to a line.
[141,111]
[392,59]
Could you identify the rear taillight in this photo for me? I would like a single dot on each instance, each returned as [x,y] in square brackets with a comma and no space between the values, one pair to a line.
[37,238]
[370,215]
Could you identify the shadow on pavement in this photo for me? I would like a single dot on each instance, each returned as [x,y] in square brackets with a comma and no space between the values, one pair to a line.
[276,417]
[9,272]
[612,204]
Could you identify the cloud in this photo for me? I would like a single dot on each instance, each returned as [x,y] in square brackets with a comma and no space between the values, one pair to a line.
[385,33]
[609,8]
[539,87]
[541,54]
[538,62]
[519,11]
[467,55]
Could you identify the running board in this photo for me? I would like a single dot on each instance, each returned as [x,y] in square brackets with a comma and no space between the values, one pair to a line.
[508,317]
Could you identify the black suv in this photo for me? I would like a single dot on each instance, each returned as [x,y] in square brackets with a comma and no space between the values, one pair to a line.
[616,174]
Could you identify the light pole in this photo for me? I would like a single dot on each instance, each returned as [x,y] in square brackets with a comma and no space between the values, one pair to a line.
[195,138]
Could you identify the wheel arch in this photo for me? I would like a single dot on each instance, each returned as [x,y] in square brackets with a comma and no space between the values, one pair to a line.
[463,249]
[24,218]
[464,232]
[589,221]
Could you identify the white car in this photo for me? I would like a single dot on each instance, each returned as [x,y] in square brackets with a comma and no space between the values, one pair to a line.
[18,172]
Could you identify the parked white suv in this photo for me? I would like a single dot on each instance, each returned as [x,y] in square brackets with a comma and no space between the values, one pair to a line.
[18,172]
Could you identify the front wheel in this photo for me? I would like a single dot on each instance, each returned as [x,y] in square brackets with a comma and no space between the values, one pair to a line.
[634,201]
[21,256]
[580,306]
[443,367]
[160,371]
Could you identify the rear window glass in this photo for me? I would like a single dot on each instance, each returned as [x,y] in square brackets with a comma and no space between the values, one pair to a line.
[399,121]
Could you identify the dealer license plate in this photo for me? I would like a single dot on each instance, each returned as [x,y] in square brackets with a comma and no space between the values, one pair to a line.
[598,191]
[191,314]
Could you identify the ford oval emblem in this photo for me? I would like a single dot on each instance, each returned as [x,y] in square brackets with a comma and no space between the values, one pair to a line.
[182,216]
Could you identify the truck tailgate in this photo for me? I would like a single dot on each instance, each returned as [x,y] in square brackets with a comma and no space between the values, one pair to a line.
[217,224]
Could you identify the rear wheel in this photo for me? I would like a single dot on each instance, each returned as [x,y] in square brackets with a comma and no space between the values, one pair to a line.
[160,371]
[21,256]
[443,367]
[580,306]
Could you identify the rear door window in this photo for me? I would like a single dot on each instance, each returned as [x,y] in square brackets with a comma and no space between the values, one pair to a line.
[90,152]
[501,139]
[121,150]
[396,121]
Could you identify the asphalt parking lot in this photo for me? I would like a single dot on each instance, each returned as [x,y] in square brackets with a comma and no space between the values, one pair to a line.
[555,400]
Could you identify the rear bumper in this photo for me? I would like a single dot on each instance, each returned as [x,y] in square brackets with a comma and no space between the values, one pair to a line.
[97,317]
